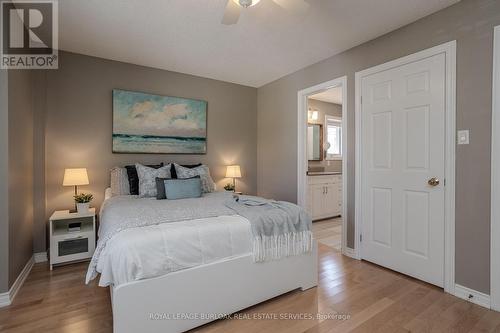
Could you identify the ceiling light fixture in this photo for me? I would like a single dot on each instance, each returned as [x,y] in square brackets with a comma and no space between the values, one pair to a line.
[234,8]
[246,3]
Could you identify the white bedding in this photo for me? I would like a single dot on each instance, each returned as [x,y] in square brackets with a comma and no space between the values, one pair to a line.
[120,213]
[155,250]
[141,238]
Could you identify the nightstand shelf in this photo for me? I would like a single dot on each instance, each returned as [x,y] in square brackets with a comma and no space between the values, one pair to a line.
[68,246]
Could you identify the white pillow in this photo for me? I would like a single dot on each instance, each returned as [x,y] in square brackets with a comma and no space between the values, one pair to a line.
[203,171]
[147,178]
[119,181]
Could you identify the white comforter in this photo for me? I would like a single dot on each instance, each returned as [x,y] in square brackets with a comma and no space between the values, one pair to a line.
[155,250]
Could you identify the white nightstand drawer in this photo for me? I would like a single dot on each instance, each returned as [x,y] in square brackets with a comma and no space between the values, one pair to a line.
[67,246]
[72,248]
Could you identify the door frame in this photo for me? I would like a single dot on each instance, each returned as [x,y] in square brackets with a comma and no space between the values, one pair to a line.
[495,177]
[449,49]
[302,163]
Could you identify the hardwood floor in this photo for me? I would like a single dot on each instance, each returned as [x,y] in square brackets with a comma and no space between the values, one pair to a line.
[58,301]
[329,232]
[373,299]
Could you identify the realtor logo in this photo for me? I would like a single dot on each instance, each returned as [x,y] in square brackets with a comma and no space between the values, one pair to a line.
[29,34]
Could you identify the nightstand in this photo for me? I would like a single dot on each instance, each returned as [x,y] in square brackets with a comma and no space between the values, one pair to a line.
[236,193]
[71,244]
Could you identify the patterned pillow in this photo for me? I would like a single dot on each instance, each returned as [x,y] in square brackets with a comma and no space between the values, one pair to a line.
[133,178]
[147,179]
[119,181]
[203,171]
[189,166]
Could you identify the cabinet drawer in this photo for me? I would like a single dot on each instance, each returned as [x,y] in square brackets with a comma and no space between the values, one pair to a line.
[71,248]
[329,179]
[337,179]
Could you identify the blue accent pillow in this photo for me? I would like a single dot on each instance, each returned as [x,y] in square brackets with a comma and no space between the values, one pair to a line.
[183,188]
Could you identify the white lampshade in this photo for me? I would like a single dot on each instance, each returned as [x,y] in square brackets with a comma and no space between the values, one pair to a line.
[75,177]
[233,171]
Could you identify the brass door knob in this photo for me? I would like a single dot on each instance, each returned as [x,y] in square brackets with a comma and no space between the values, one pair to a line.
[433,181]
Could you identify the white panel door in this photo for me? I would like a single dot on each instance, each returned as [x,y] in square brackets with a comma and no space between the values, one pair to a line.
[403,148]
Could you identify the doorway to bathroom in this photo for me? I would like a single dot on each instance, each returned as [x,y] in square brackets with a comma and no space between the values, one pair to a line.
[322,161]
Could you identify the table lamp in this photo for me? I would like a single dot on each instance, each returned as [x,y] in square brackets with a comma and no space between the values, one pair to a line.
[233,171]
[75,177]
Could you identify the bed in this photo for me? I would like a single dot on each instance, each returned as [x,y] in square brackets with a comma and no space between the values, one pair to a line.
[172,277]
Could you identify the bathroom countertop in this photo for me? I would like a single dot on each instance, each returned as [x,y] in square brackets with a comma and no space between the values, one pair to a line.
[323,173]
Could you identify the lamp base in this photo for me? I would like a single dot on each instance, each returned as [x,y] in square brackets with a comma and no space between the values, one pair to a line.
[74,210]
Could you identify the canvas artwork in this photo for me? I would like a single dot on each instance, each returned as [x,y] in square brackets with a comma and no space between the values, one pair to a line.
[146,123]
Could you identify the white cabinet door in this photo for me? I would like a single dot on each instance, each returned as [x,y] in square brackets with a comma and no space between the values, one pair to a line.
[403,149]
[318,200]
[331,200]
[324,196]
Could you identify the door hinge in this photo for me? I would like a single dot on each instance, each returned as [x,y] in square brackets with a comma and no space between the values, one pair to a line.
[360,237]
[361,99]
[444,182]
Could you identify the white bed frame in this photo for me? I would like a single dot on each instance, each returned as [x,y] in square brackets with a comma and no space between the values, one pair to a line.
[182,300]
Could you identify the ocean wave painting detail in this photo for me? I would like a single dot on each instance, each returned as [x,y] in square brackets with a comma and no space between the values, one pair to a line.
[146,123]
[165,145]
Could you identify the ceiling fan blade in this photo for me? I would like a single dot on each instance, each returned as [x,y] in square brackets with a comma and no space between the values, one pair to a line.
[231,13]
[297,6]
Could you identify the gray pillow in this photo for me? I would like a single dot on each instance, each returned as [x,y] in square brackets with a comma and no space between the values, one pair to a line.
[183,188]
[147,179]
[207,183]
[160,188]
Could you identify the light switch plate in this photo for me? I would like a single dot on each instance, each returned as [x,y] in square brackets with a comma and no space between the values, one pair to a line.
[463,137]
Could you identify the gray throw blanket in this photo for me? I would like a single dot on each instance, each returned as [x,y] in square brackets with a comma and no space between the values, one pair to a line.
[279,228]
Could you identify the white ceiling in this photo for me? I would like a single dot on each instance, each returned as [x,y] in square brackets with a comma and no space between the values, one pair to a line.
[267,43]
[332,95]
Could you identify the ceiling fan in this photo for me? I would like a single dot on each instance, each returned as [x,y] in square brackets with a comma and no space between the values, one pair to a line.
[233,8]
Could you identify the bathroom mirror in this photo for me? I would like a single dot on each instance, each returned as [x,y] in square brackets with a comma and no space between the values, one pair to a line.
[315,142]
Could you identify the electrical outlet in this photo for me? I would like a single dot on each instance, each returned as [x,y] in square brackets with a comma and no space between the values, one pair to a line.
[463,137]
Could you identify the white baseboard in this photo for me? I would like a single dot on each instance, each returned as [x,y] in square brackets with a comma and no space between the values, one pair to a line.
[40,257]
[472,296]
[8,297]
[4,299]
[347,251]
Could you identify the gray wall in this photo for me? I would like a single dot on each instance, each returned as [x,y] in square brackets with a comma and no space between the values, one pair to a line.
[79,124]
[4,186]
[20,176]
[471,23]
[39,214]
[323,109]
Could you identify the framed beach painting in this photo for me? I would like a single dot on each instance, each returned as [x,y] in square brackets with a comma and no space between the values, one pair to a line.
[154,124]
